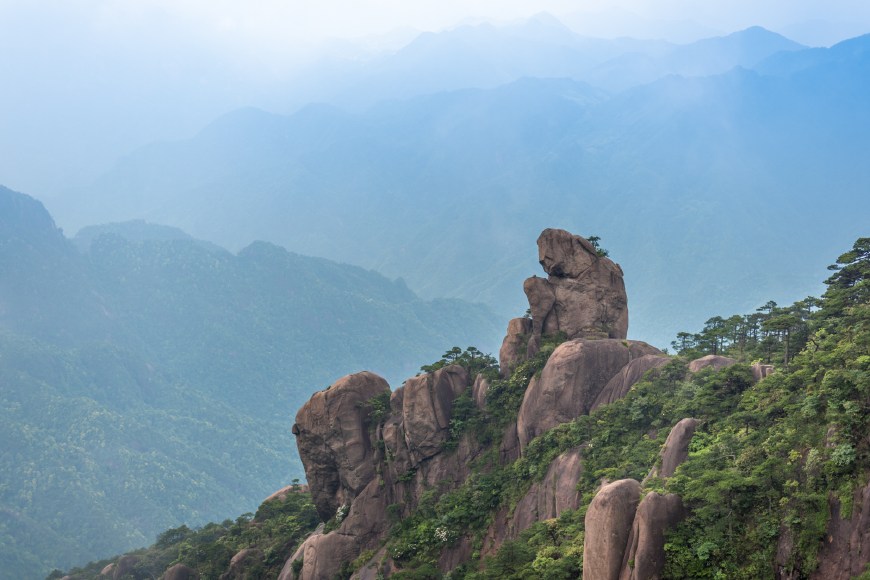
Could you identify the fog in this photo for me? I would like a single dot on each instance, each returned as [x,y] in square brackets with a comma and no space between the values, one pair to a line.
[87,81]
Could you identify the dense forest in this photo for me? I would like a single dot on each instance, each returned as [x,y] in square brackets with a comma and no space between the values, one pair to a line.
[148,378]
[771,465]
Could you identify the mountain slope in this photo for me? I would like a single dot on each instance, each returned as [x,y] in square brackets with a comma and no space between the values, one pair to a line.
[145,383]
[680,173]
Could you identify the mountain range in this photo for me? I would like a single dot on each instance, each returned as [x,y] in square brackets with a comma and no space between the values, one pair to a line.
[706,184]
[147,377]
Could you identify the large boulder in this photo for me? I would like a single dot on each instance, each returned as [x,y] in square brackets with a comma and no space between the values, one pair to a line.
[618,387]
[582,297]
[513,347]
[428,407]
[180,572]
[333,440]
[124,566]
[644,557]
[711,361]
[609,521]
[675,449]
[571,381]
[241,563]
[323,555]
[584,294]
[545,500]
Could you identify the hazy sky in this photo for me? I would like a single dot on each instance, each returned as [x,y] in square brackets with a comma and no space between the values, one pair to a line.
[84,81]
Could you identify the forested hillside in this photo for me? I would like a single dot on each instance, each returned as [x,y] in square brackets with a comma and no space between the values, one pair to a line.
[148,380]
[772,482]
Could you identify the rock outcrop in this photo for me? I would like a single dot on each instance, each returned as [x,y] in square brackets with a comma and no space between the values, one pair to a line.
[360,469]
[583,296]
[584,293]
[711,361]
[609,522]
[241,562]
[573,378]
[644,557]
[427,407]
[180,572]
[478,391]
[545,500]
[846,548]
[625,540]
[675,449]
[356,468]
[514,346]
[332,435]
[618,387]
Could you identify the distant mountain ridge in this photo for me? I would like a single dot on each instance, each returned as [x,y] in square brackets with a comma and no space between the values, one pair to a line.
[713,173]
[146,381]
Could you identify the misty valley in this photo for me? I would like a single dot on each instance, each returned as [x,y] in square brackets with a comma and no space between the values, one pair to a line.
[502,301]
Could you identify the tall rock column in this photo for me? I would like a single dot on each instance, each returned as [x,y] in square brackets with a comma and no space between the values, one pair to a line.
[583,296]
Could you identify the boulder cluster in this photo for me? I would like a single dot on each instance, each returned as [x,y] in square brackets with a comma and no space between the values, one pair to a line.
[370,453]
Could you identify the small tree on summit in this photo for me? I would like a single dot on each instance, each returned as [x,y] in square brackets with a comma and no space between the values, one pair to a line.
[595,241]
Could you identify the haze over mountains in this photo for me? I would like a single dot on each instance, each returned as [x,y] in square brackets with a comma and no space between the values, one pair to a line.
[721,173]
[702,164]
[148,379]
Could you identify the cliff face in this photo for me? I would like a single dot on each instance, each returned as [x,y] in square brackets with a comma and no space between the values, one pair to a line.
[367,459]
[376,458]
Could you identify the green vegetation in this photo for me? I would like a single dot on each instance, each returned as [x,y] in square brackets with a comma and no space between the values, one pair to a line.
[276,529]
[763,462]
[151,381]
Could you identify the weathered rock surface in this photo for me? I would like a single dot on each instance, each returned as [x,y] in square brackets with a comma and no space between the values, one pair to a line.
[760,371]
[332,436]
[588,292]
[513,347]
[428,406]
[380,566]
[713,361]
[644,557]
[478,391]
[180,572]
[618,387]
[542,297]
[545,500]
[323,555]
[409,461]
[676,448]
[241,562]
[124,566]
[583,297]
[609,521]
[846,548]
[572,379]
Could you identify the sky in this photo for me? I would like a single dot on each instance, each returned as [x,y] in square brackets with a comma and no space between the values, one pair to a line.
[86,81]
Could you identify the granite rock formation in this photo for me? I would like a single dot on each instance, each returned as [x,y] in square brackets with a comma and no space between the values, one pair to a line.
[618,387]
[609,521]
[845,550]
[625,537]
[583,296]
[711,361]
[332,435]
[573,378]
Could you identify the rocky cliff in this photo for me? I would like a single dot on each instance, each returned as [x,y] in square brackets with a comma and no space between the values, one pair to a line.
[370,460]
[584,454]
